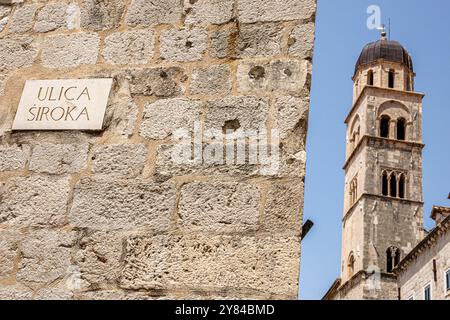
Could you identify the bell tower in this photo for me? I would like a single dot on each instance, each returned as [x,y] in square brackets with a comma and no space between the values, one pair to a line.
[383,203]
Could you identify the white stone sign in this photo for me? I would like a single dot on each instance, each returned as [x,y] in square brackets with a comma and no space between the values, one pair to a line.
[75,104]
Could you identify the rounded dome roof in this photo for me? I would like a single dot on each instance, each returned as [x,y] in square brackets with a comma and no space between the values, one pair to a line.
[387,50]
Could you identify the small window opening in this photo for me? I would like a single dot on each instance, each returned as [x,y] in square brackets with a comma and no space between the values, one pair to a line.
[351,265]
[384,126]
[391,79]
[393,185]
[385,184]
[401,187]
[370,78]
[427,292]
[401,129]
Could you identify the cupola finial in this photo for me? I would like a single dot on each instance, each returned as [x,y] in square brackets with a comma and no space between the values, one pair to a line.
[382,28]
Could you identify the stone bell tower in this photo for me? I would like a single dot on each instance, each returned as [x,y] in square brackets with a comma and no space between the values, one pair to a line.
[383,173]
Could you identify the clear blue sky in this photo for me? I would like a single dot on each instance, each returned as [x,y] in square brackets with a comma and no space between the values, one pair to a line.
[423,27]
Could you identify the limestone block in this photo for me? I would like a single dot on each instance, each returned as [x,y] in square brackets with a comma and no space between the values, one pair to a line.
[53,294]
[219,207]
[25,51]
[144,13]
[123,113]
[259,40]
[208,11]
[51,17]
[220,42]
[59,158]
[35,201]
[268,264]
[70,51]
[2,83]
[15,292]
[121,160]
[275,76]
[99,258]
[250,11]
[4,16]
[73,17]
[245,112]
[160,82]
[211,80]
[23,19]
[163,117]
[291,116]
[301,41]
[132,47]
[283,208]
[45,256]
[122,204]
[101,14]
[183,45]
[177,160]
[8,252]
[13,157]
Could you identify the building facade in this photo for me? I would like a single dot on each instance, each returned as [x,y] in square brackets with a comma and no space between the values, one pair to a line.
[115,213]
[424,274]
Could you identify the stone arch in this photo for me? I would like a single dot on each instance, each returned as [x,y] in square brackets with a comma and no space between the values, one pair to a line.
[399,117]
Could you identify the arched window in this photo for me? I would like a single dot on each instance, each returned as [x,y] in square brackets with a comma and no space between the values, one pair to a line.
[385,184]
[351,265]
[401,129]
[392,258]
[384,126]
[401,186]
[391,83]
[370,78]
[393,185]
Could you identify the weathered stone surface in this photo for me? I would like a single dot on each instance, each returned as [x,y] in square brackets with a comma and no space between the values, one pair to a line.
[59,158]
[4,16]
[35,201]
[177,160]
[246,112]
[250,11]
[70,51]
[160,82]
[99,259]
[8,252]
[208,11]
[132,47]
[147,13]
[25,51]
[121,160]
[15,293]
[283,209]
[13,157]
[211,80]
[23,19]
[45,256]
[53,294]
[2,84]
[101,14]
[183,44]
[291,113]
[51,17]
[73,18]
[221,40]
[259,40]
[113,205]
[219,207]
[276,76]
[301,41]
[163,117]
[267,264]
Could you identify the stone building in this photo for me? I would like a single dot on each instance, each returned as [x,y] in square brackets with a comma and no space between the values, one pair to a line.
[109,213]
[424,274]
[383,201]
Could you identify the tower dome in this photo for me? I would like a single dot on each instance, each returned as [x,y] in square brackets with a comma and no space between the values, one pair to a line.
[387,50]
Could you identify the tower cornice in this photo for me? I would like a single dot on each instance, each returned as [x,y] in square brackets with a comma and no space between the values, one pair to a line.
[367,89]
[365,138]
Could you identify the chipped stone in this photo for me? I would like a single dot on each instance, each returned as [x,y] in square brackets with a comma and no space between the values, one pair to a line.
[301,41]
[255,40]
[144,13]
[251,11]
[101,14]
[211,80]
[25,51]
[208,11]
[160,82]
[59,158]
[51,17]
[183,45]
[132,47]
[13,157]
[23,19]
[118,204]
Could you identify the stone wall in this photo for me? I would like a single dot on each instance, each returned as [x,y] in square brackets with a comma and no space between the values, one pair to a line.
[419,272]
[109,214]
